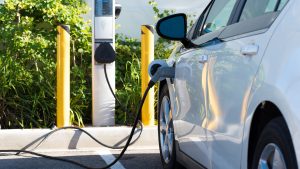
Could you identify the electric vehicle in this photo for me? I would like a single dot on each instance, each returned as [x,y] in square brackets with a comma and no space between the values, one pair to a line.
[235,99]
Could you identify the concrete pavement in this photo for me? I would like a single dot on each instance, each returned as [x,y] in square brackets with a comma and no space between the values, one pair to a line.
[73,139]
[133,159]
[75,145]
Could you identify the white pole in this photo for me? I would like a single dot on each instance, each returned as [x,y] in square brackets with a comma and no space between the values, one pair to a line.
[103,100]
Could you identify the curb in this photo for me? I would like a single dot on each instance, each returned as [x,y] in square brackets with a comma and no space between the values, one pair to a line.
[29,139]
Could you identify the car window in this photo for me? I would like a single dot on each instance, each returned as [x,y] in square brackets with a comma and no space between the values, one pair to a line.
[218,16]
[255,8]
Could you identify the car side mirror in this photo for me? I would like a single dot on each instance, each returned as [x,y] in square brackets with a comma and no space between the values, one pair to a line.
[174,27]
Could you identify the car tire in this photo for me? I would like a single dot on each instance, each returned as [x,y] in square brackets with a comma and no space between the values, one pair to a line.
[275,148]
[165,130]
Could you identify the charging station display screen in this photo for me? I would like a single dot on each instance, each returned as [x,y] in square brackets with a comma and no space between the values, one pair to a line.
[103,8]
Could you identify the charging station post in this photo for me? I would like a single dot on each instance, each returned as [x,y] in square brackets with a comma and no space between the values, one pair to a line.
[63,76]
[147,42]
[103,32]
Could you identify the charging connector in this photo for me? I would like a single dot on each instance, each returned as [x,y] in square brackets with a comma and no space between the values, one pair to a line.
[162,73]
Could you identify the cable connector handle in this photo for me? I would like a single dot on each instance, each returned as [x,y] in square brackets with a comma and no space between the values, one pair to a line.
[162,73]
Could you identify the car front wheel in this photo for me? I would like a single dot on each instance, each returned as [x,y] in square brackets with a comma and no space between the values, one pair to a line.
[166,130]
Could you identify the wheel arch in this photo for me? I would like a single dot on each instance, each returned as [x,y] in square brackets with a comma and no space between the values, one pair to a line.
[264,113]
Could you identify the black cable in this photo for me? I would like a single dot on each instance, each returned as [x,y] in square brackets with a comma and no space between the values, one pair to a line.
[82,130]
[134,126]
[87,133]
[124,109]
[111,90]
[84,166]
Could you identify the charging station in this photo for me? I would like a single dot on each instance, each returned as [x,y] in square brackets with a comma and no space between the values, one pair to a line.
[104,15]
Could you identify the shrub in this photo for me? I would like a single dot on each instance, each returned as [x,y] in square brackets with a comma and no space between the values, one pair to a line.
[28,64]
[28,57]
[128,81]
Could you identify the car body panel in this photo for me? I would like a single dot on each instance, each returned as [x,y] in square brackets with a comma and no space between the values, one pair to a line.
[267,76]
[278,79]
[230,76]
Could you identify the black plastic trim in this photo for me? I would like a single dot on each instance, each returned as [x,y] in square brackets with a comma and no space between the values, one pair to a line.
[239,8]
[201,20]
[236,8]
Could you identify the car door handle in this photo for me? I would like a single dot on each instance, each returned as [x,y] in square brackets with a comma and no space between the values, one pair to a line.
[250,50]
[203,59]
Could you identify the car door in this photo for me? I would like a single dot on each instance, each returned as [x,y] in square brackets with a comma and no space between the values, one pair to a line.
[231,69]
[191,89]
[190,115]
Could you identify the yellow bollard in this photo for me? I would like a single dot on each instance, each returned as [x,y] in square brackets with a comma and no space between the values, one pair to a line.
[147,41]
[63,76]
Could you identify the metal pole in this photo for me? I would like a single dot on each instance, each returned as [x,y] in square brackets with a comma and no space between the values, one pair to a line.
[63,76]
[147,41]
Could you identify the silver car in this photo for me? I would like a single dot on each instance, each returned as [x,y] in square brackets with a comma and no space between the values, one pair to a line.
[235,99]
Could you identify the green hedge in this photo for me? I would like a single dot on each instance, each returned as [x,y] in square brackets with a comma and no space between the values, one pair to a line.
[28,61]
[128,74]
[28,64]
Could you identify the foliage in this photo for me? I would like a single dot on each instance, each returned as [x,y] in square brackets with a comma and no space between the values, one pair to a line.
[128,75]
[28,56]
[128,80]
[158,13]
[28,63]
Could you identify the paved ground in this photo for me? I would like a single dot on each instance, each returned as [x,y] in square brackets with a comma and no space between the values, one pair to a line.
[133,159]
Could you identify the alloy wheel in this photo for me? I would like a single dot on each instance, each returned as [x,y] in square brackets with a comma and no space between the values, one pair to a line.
[166,129]
[271,158]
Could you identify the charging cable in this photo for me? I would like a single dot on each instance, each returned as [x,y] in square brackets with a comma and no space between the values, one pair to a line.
[124,109]
[160,74]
